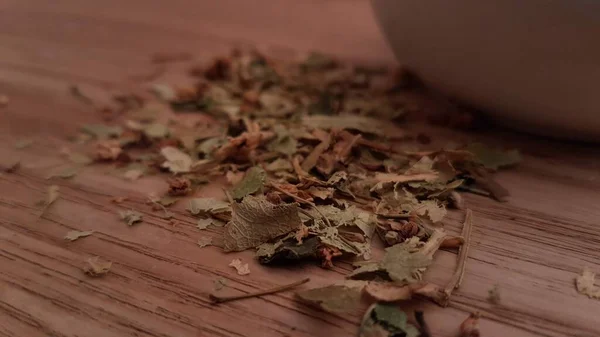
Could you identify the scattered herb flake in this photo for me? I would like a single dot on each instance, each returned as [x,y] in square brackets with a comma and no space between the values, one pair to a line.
[74,235]
[96,267]
[242,269]
[585,284]
[177,161]
[130,217]
[253,182]
[204,223]
[204,241]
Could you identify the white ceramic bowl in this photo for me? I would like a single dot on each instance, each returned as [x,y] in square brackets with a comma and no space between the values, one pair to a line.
[532,64]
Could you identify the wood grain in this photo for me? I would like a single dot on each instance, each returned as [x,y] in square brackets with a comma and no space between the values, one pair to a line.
[532,246]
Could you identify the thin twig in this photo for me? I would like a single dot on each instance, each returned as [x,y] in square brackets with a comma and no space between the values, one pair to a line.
[304,201]
[462,254]
[223,299]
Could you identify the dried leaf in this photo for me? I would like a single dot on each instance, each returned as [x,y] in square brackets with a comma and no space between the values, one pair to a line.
[585,284]
[253,182]
[493,158]
[156,130]
[242,269]
[255,221]
[434,210]
[133,174]
[203,223]
[80,159]
[211,206]
[164,91]
[334,298]
[177,160]
[284,142]
[130,217]
[168,200]
[355,122]
[101,131]
[74,235]
[204,241]
[388,292]
[386,320]
[97,267]
[403,263]
[23,143]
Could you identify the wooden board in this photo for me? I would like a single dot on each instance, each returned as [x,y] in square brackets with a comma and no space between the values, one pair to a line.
[532,246]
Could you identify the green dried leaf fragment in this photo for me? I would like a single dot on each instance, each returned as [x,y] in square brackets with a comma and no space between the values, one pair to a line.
[204,241]
[74,235]
[341,298]
[354,122]
[211,206]
[219,283]
[435,210]
[494,158]
[177,160]
[255,221]
[156,130]
[97,267]
[404,266]
[102,131]
[403,263]
[386,320]
[284,143]
[130,217]
[23,143]
[253,182]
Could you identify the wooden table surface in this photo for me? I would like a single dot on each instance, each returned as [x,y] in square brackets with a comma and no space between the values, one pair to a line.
[532,246]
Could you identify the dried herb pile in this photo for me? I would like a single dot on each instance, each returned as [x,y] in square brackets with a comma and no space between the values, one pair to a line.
[311,154]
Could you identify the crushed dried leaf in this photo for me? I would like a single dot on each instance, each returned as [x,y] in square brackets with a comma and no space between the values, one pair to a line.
[254,221]
[130,217]
[95,267]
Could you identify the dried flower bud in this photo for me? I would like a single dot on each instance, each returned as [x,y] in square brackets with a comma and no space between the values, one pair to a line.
[107,150]
[179,186]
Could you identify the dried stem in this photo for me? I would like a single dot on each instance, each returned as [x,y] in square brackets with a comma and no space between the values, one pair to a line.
[223,299]
[462,254]
[304,201]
